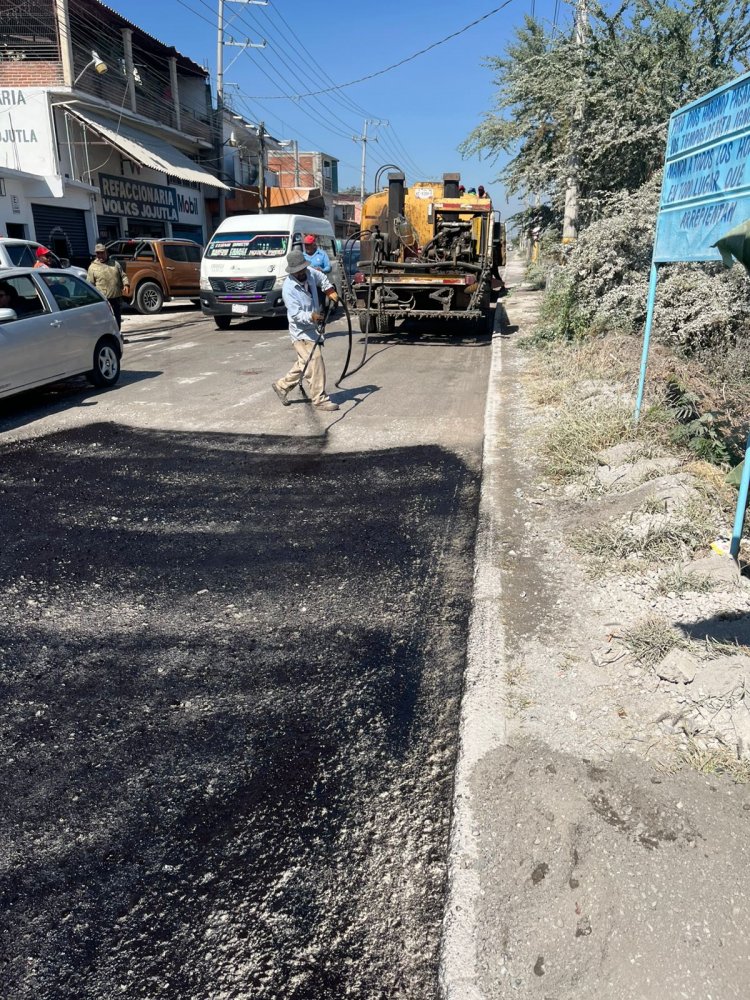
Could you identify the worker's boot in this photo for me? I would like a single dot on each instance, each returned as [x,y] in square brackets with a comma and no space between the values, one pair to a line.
[281,394]
[327,404]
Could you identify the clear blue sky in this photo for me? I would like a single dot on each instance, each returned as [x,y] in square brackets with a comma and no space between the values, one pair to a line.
[431,103]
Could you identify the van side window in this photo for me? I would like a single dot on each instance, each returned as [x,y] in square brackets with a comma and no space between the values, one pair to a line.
[327,244]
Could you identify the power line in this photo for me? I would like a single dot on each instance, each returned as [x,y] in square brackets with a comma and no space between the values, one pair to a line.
[401,62]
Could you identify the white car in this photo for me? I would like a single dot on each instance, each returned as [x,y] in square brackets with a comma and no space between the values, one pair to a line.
[22,253]
[53,325]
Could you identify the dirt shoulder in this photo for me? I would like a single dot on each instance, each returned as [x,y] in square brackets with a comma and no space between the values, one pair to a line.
[604,824]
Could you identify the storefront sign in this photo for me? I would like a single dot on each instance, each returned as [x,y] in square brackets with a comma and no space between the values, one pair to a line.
[25,132]
[188,204]
[136,199]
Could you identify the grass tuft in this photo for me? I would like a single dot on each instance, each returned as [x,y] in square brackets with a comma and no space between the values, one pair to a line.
[574,440]
[679,581]
[651,639]
[721,761]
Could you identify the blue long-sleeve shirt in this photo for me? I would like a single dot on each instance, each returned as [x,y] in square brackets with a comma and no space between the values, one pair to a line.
[302,299]
[320,260]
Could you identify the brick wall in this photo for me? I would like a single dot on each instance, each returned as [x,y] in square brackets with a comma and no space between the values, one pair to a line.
[283,165]
[30,73]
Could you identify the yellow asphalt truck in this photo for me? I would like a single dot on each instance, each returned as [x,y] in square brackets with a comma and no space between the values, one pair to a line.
[426,251]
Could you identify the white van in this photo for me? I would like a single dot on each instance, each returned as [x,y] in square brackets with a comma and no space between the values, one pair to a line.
[244,264]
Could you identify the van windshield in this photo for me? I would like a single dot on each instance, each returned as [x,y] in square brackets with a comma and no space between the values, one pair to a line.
[244,245]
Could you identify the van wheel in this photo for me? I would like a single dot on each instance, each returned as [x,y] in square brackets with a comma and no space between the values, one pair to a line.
[106,369]
[223,322]
[149,298]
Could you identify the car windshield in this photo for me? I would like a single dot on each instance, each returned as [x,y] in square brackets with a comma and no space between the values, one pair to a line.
[244,245]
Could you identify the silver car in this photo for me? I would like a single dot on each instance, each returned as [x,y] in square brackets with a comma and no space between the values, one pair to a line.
[22,253]
[53,325]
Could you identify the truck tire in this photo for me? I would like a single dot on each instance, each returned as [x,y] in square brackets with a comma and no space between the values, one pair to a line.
[222,322]
[149,298]
[363,323]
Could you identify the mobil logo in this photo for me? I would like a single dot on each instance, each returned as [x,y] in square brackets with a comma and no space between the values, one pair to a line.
[187,204]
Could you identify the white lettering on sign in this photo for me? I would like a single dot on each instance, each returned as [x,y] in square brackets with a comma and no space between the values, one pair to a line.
[423,193]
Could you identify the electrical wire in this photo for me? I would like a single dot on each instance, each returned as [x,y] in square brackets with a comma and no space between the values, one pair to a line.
[273,74]
[401,62]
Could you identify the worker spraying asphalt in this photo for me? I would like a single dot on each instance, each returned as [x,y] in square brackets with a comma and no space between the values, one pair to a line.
[304,291]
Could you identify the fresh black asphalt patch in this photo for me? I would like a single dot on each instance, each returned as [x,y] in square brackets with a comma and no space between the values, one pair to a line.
[231,674]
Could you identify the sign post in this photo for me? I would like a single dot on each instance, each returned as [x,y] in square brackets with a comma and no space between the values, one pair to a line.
[739,517]
[706,186]
[705,193]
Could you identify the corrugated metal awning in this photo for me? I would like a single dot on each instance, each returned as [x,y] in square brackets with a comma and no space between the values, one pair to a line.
[148,150]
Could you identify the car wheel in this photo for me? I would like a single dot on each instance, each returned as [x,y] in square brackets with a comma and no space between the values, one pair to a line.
[149,298]
[196,302]
[106,370]
[223,322]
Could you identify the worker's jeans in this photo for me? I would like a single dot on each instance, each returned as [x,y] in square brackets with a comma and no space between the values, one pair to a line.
[315,376]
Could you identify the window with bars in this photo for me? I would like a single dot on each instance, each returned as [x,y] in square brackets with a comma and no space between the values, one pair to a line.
[29,31]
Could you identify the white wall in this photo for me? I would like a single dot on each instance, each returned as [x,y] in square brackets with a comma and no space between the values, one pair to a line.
[26,140]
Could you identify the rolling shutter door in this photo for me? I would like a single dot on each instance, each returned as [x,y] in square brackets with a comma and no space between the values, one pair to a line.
[54,225]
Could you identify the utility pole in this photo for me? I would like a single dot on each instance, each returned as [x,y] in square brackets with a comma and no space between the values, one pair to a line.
[262,166]
[572,188]
[364,139]
[295,151]
[221,41]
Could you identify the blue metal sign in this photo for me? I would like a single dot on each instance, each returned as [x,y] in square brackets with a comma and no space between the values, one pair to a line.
[706,187]
[705,193]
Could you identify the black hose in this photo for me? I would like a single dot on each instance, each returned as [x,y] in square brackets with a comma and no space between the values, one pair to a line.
[345,373]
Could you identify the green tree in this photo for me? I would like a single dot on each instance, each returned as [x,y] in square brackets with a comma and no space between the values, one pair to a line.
[640,62]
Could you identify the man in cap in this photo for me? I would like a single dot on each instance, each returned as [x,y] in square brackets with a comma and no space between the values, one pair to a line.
[43,258]
[303,292]
[108,276]
[316,257]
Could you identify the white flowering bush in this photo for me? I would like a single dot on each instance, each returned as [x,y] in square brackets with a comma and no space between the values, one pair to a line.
[702,310]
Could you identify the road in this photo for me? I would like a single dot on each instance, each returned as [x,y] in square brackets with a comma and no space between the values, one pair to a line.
[232,667]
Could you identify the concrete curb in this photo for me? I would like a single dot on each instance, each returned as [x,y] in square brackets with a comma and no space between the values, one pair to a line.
[483,716]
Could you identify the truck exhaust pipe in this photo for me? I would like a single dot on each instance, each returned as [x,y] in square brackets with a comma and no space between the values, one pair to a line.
[395,207]
[450,185]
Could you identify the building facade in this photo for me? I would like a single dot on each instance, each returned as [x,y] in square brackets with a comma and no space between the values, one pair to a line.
[104,130]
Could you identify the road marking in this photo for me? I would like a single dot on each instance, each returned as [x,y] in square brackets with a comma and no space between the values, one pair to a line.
[247,399]
[190,381]
[180,347]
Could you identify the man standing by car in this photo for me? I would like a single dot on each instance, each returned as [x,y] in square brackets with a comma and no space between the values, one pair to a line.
[302,292]
[110,279]
[316,257]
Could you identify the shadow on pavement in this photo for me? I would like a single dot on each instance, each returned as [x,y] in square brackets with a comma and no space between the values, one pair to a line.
[25,408]
[232,669]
